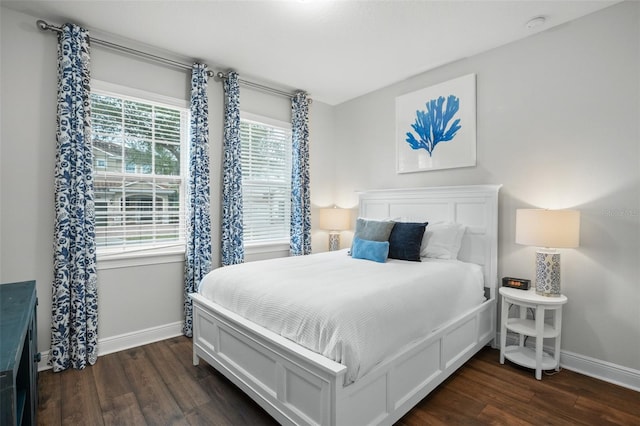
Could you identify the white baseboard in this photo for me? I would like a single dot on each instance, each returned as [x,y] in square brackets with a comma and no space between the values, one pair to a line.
[126,341]
[602,370]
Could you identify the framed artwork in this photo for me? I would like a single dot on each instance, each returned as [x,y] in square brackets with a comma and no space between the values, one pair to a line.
[436,127]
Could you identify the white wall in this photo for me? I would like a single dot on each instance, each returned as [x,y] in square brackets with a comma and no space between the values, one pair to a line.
[130,298]
[557,124]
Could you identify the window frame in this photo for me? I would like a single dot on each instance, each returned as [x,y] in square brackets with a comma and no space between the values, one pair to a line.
[110,257]
[275,245]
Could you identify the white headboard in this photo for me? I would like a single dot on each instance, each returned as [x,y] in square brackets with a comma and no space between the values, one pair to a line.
[475,206]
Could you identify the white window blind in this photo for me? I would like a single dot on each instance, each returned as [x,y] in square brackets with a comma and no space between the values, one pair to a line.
[139,172]
[266,179]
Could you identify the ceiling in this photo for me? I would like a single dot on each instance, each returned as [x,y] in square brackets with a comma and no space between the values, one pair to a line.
[334,49]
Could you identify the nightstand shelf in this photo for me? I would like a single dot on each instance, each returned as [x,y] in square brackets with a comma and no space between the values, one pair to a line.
[526,357]
[528,328]
[536,328]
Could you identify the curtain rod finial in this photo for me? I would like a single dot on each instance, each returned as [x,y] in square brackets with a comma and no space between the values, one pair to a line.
[44,26]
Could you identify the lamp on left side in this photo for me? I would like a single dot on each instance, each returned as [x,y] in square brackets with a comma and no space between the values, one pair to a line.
[334,220]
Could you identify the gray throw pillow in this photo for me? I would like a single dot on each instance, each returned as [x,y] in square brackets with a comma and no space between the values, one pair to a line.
[373,230]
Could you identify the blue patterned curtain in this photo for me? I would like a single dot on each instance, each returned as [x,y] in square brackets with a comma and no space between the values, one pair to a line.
[74,322]
[300,197]
[232,230]
[198,251]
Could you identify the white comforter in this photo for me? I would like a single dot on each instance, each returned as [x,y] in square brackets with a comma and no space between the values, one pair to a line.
[353,311]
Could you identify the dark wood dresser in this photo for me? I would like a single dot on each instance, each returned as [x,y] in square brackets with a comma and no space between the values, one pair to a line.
[18,354]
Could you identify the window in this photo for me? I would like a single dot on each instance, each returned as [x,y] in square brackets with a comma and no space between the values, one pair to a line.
[139,145]
[266,179]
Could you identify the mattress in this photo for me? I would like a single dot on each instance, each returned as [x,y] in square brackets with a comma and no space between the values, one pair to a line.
[353,311]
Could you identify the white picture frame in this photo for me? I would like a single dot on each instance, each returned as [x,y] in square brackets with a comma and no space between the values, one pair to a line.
[436,127]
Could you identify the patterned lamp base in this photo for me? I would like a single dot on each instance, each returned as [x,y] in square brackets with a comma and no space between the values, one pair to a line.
[548,273]
[334,241]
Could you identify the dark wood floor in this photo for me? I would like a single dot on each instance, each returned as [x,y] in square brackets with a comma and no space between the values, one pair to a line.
[157,385]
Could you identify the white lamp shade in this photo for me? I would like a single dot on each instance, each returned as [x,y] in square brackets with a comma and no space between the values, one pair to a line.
[334,219]
[548,228]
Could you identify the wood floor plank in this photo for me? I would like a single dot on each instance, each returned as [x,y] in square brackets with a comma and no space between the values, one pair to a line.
[605,414]
[420,418]
[80,403]
[496,416]
[598,390]
[551,401]
[556,394]
[111,381]
[208,414]
[156,402]
[451,407]
[49,404]
[184,387]
[183,350]
[458,402]
[506,387]
[491,395]
[124,410]
[158,385]
[235,405]
[551,404]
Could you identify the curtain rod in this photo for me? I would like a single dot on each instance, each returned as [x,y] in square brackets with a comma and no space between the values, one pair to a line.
[44,26]
[247,83]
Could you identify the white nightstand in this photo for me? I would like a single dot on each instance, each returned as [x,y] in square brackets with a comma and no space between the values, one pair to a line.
[537,328]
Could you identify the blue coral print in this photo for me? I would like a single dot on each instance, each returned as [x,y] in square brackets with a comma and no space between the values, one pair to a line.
[432,126]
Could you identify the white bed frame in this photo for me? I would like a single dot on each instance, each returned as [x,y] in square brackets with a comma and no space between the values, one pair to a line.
[298,386]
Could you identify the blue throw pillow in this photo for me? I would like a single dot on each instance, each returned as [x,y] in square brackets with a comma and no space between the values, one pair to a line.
[405,240]
[370,250]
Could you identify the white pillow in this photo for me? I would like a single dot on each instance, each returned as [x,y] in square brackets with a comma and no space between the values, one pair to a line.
[442,240]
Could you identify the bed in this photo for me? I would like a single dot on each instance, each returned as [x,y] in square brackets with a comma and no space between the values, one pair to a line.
[299,386]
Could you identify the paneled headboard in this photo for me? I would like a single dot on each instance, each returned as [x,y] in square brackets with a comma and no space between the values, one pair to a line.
[475,206]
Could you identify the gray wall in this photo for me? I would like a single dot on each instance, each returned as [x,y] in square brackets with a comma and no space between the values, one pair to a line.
[557,125]
[130,298]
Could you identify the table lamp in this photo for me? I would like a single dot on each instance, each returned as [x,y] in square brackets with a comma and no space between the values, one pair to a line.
[334,220]
[548,230]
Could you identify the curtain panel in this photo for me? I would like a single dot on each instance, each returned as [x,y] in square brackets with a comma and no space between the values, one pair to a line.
[74,322]
[232,228]
[198,250]
[300,195]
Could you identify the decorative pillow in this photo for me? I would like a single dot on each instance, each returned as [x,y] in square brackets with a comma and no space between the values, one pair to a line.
[370,250]
[405,240]
[442,240]
[373,230]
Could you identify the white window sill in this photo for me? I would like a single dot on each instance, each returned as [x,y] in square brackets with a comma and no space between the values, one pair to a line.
[140,258]
[266,248]
[176,254]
